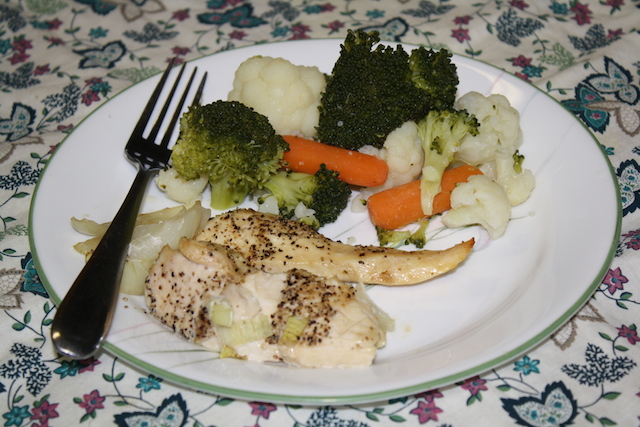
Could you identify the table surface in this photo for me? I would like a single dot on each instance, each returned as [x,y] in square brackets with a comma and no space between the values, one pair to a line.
[61,59]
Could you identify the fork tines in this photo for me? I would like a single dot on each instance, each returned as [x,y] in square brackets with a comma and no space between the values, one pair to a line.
[145,150]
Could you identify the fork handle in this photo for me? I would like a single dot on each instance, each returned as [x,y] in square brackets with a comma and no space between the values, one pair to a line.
[84,316]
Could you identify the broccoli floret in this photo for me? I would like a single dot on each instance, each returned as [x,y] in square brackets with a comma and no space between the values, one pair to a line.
[440,133]
[517,161]
[397,238]
[323,195]
[433,72]
[373,90]
[230,143]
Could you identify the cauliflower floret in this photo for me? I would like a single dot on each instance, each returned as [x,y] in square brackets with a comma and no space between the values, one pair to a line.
[479,201]
[499,128]
[179,189]
[498,139]
[403,153]
[288,94]
[518,186]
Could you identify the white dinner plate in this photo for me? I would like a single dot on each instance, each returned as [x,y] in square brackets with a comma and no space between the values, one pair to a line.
[508,296]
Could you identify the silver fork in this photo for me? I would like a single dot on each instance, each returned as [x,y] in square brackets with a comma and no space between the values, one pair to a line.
[84,316]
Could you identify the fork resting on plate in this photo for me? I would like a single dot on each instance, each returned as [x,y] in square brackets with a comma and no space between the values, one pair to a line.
[84,316]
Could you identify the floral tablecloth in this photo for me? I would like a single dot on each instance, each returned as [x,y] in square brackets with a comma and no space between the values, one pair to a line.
[60,59]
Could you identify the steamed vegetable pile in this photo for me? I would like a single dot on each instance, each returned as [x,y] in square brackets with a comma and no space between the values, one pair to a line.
[385,122]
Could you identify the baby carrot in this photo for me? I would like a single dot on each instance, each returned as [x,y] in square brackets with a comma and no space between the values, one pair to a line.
[354,168]
[401,205]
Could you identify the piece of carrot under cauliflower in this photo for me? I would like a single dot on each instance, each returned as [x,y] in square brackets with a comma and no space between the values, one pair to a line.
[495,149]
[288,94]
[479,201]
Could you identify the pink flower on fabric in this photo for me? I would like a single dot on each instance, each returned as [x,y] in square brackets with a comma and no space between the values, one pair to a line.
[89,97]
[614,3]
[55,24]
[180,50]
[300,32]
[176,60]
[44,412]
[430,396]
[181,15]
[327,7]
[634,239]
[92,401]
[630,333]
[462,20]
[582,13]
[335,26]
[55,41]
[41,69]
[474,385]
[426,411]
[521,61]
[262,409]
[460,34]
[614,34]
[519,4]
[21,45]
[88,364]
[614,280]
[18,57]
[237,35]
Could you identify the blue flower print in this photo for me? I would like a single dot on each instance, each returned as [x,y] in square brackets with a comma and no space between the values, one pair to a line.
[65,103]
[533,71]
[27,364]
[600,368]
[555,407]
[32,282]
[594,38]
[511,28]
[105,57]
[22,173]
[16,415]
[584,95]
[99,6]
[392,30]
[5,45]
[98,32]
[216,4]
[313,9]
[375,14]
[616,80]
[12,16]
[149,383]
[559,8]
[527,366]
[239,17]
[17,126]
[629,183]
[172,412]
[280,32]
[149,33]
[20,78]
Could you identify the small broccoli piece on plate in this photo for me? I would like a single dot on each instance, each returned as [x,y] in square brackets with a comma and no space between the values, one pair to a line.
[441,133]
[235,147]
[397,238]
[373,90]
[316,199]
